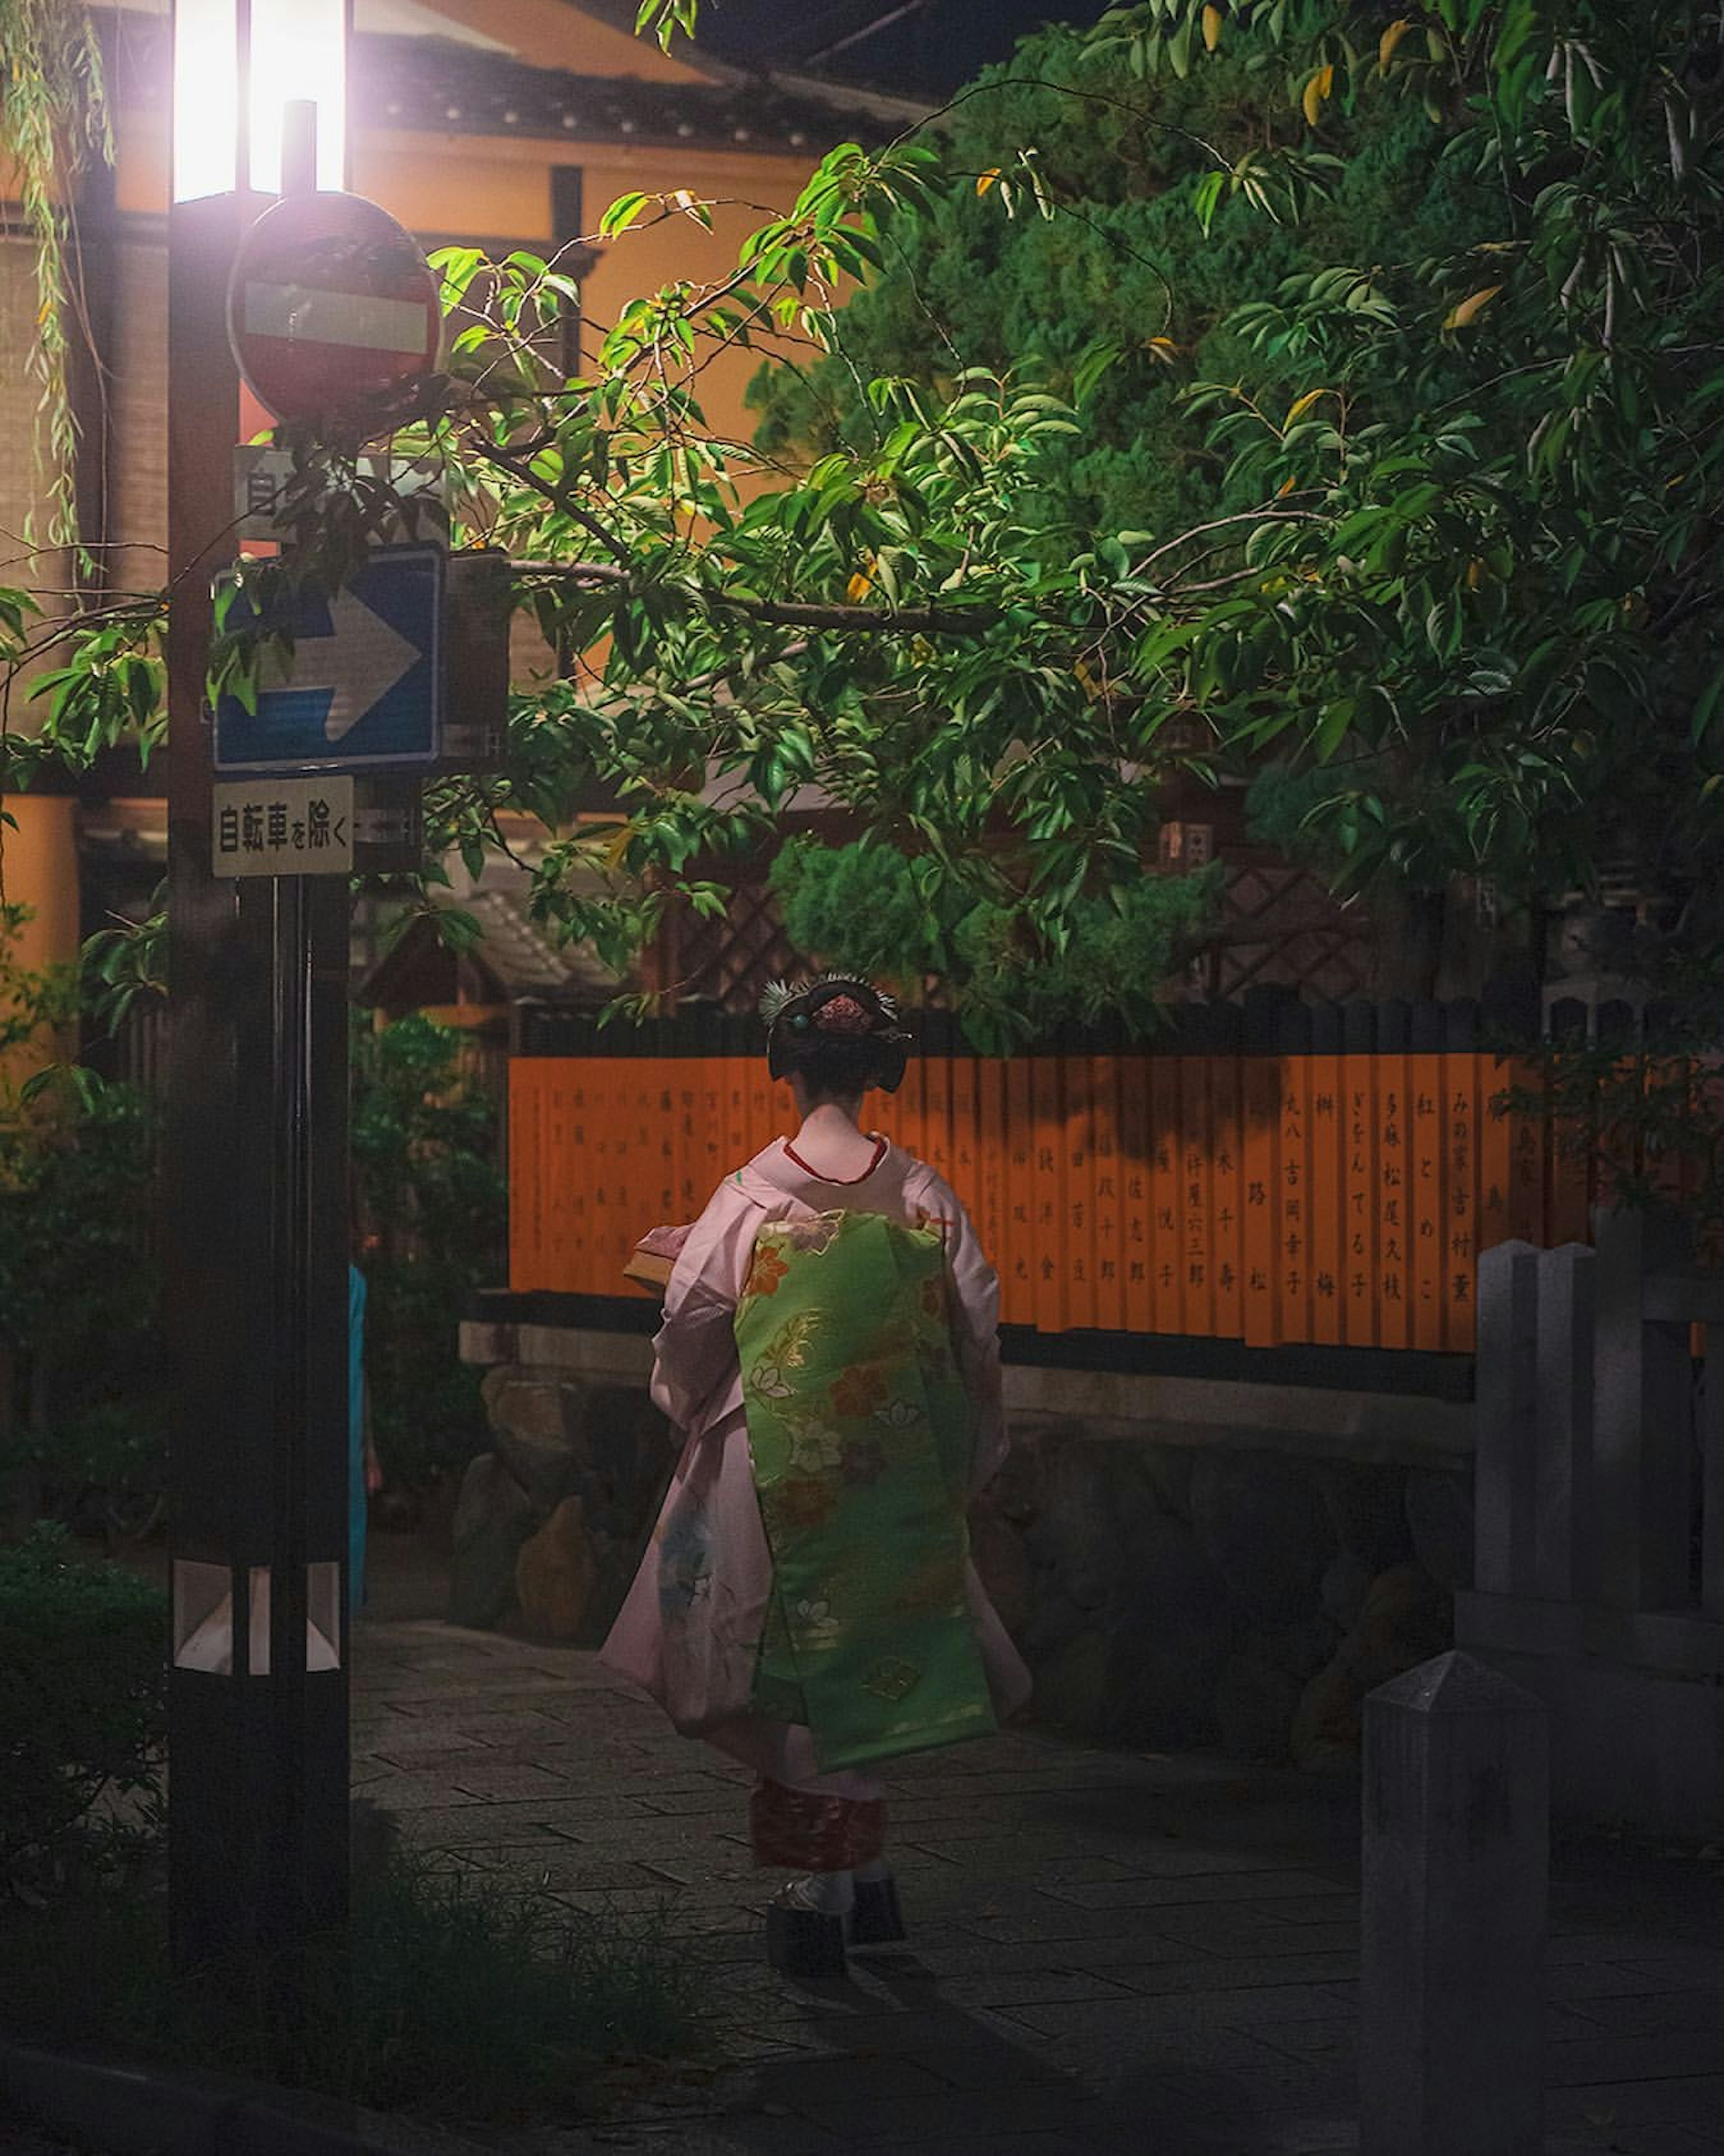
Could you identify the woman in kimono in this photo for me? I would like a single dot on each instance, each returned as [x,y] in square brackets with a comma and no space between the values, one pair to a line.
[807,1604]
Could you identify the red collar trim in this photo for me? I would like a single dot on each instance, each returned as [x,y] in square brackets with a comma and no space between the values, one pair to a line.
[838,1182]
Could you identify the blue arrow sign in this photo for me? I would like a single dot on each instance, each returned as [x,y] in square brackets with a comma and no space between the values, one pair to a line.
[365,684]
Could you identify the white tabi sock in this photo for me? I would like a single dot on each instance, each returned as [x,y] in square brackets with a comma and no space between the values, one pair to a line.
[832,1893]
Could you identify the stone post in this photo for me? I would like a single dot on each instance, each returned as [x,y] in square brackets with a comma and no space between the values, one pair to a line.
[1642,1414]
[1505,1474]
[1455,1866]
[1565,1559]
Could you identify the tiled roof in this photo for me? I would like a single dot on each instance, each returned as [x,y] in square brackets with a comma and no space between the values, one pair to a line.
[433,86]
[427,85]
[514,952]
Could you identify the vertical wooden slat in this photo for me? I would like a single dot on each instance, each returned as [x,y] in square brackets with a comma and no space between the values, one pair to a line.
[1394,1156]
[1020,1297]
[1426,1177]
[667,1110]
[964,1168]
[1106,1197]
[899,1114]
[1328,1254]
[573,1113]
[992,1209]
[1294,1173]
[710,1121]
[1529,1154]
[1227,1246]
[1047,1180]
[691,1165]
[1261,1092]
[1135,1148]
[1077,1192]
[526,1175]
[1196,1197]
[1358,1047]
[1463,1087]
[1166,1265]
[936,1114]
[612,1205]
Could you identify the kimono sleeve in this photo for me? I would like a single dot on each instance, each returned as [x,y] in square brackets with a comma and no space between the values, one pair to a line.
[694,1349]
[976,1306]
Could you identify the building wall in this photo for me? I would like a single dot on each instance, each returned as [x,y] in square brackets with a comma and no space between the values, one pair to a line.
[38,867]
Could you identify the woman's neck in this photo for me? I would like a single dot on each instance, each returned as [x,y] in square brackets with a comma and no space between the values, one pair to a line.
[831,1143]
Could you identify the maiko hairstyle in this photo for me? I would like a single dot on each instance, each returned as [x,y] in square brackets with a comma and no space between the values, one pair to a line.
[839,1035]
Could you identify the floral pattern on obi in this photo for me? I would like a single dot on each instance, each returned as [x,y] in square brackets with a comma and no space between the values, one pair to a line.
[860,1438]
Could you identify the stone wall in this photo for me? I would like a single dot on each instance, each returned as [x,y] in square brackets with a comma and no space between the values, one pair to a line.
[1197,1578]
[1169,1594]
[551,1522]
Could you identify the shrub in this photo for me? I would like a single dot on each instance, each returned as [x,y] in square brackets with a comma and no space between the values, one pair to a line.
[429,1199]
[461,1998]
[83,1697]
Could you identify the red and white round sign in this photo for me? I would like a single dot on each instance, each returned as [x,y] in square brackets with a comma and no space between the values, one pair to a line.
[332,309]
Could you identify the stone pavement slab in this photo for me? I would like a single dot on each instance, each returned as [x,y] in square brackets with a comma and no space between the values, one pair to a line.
[1109,1951]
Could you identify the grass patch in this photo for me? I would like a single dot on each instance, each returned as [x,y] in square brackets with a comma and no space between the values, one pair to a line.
[463,1999]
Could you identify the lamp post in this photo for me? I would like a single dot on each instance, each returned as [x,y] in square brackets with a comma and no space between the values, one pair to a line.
[255,1246]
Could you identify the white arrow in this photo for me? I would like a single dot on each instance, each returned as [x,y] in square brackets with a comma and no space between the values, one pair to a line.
[361,659]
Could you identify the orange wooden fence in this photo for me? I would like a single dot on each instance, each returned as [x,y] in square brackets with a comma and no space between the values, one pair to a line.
[1334,1196]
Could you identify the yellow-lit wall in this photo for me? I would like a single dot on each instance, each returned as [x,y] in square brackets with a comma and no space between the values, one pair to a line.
[499,187]
[40,862]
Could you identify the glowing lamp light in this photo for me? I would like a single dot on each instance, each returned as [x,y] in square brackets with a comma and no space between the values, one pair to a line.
[298,50]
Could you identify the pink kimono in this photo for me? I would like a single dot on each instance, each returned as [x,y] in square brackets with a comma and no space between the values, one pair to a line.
[690,1628]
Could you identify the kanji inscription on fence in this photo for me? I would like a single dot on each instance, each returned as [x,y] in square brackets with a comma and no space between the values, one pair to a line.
[1339,1196]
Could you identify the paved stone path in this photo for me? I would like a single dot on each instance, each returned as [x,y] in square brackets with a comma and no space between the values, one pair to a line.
[1109,1951]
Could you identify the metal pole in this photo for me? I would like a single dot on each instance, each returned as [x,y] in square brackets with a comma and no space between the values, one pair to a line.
[256,1243]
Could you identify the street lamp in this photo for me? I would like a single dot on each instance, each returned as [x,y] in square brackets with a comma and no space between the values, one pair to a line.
[236,67]
[254,1247]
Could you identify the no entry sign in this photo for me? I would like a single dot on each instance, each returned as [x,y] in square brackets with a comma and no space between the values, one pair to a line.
[332,310]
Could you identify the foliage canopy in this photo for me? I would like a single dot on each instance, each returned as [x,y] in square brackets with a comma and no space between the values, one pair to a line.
[1432,517]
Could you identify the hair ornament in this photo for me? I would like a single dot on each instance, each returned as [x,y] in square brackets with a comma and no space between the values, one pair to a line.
[774,998]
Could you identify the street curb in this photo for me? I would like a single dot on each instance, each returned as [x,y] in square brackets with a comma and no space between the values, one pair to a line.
[138,2111]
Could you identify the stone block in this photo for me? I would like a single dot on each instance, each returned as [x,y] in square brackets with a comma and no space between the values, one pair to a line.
[1099,1521]
[1169,1467]
[998,1553]
[1071,1685]
[555,1574]
[494,1516]
[1254,1705]
[1260,1521]
[1161,1687]
[1298,1650]
[1440,1518]
[1345,1584]
[1405,1620]
[1366,1503]
[536,1417]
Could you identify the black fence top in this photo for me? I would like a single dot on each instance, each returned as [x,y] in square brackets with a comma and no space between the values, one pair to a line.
[1266,1022]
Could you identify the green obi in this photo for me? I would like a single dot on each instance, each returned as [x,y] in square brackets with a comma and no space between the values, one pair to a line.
[860,1432]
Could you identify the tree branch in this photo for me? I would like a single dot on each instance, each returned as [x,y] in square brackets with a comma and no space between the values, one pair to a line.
[786,614]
